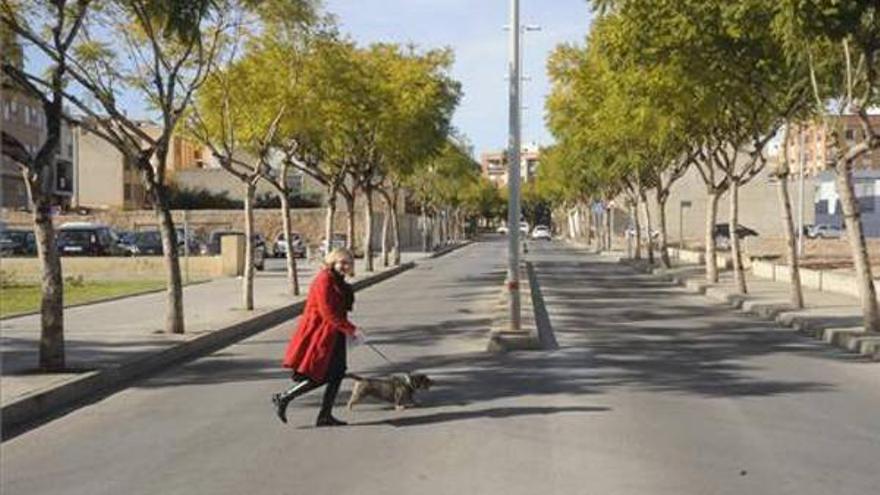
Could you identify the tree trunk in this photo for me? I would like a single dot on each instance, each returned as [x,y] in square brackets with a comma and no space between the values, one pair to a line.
[589,220]
[711,248]
[248,279]
[797,293]
[609,234]
[350,242]
[52,301]
[739,277]
[856,235]
[426,245]
[395,229]
[292,275]
[648,226]
[637,229]
[386,223]
[331,217]
[174,320]
[368,228]
[664,234]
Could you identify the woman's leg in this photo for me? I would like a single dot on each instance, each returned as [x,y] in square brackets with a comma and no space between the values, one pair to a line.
[325,417]
[282,400]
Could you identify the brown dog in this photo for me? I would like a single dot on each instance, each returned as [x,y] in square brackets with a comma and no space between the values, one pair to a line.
[399,389]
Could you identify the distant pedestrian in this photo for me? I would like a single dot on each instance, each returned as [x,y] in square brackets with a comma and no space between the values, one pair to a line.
[317,349]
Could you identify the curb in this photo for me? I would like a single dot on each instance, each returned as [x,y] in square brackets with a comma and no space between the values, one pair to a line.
[448,249]
[848,339]
[44,405]
[535,332]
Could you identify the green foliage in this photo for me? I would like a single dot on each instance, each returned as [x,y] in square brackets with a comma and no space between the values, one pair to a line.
[200,199]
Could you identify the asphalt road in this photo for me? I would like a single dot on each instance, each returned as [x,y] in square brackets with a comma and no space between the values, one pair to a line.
[650,392]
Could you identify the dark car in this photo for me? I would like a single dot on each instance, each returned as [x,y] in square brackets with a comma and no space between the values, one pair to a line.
[186,238]
[88,239]
[722,234]
[148,242]
[125,241]
[17,242]
[723,230]
[212,247]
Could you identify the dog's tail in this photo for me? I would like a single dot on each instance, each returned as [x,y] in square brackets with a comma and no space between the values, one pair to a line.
[354,377]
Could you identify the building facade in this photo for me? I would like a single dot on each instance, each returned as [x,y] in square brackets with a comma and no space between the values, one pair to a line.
[813,145]
[106,180]
[494,165]
[23,118]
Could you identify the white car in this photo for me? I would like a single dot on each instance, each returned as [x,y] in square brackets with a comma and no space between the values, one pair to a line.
[501,230]
[825,231]
[542,232]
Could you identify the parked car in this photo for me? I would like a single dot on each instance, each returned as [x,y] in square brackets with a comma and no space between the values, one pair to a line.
[542,232]
[279,248]
[722,234]
[190,240]
[825,231]
[148,242]
[17,242]
[722,230]
[502,230]
[631,232]
[338,241]
[88,239]
[212,246]
[126,242]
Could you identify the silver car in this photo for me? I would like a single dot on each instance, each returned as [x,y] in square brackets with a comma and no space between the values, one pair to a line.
[826,231]
[279,248]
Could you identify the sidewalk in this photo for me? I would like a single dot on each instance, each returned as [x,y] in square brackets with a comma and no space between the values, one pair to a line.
[834,318]
[107,335]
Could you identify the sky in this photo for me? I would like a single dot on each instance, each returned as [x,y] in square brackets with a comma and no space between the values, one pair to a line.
[475,30]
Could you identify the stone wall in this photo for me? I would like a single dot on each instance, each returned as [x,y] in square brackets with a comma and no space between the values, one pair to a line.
[28,270]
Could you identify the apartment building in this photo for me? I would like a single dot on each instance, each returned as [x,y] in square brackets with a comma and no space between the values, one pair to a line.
[494,165]
[23,119]
[812,145]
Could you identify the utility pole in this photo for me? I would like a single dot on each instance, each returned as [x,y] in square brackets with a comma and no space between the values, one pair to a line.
[513,177]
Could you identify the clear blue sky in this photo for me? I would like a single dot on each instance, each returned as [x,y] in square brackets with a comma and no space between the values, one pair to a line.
[474,29]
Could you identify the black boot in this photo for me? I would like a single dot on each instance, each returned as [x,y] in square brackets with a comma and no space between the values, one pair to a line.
[282,400]
[325,417]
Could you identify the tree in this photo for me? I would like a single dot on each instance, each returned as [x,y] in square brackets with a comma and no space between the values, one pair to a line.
[840,43]
[161,50]
[61,23]
[238,113]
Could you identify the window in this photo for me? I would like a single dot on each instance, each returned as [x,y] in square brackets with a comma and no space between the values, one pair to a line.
[7,109]
[850,135]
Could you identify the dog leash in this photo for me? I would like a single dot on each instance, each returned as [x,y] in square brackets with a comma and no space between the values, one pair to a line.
[377,351]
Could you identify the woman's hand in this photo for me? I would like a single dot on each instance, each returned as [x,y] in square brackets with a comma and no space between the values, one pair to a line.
[359,337]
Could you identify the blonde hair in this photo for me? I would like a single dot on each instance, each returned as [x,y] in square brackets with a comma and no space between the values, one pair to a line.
[337,255]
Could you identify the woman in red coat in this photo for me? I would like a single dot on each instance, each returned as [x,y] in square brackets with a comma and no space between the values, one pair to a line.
[316,352]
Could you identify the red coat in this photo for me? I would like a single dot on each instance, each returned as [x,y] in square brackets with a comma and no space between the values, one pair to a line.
[323,319]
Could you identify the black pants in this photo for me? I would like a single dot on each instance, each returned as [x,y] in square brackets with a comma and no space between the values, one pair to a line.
[333,380]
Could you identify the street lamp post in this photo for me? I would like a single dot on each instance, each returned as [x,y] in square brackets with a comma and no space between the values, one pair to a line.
[513,181]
